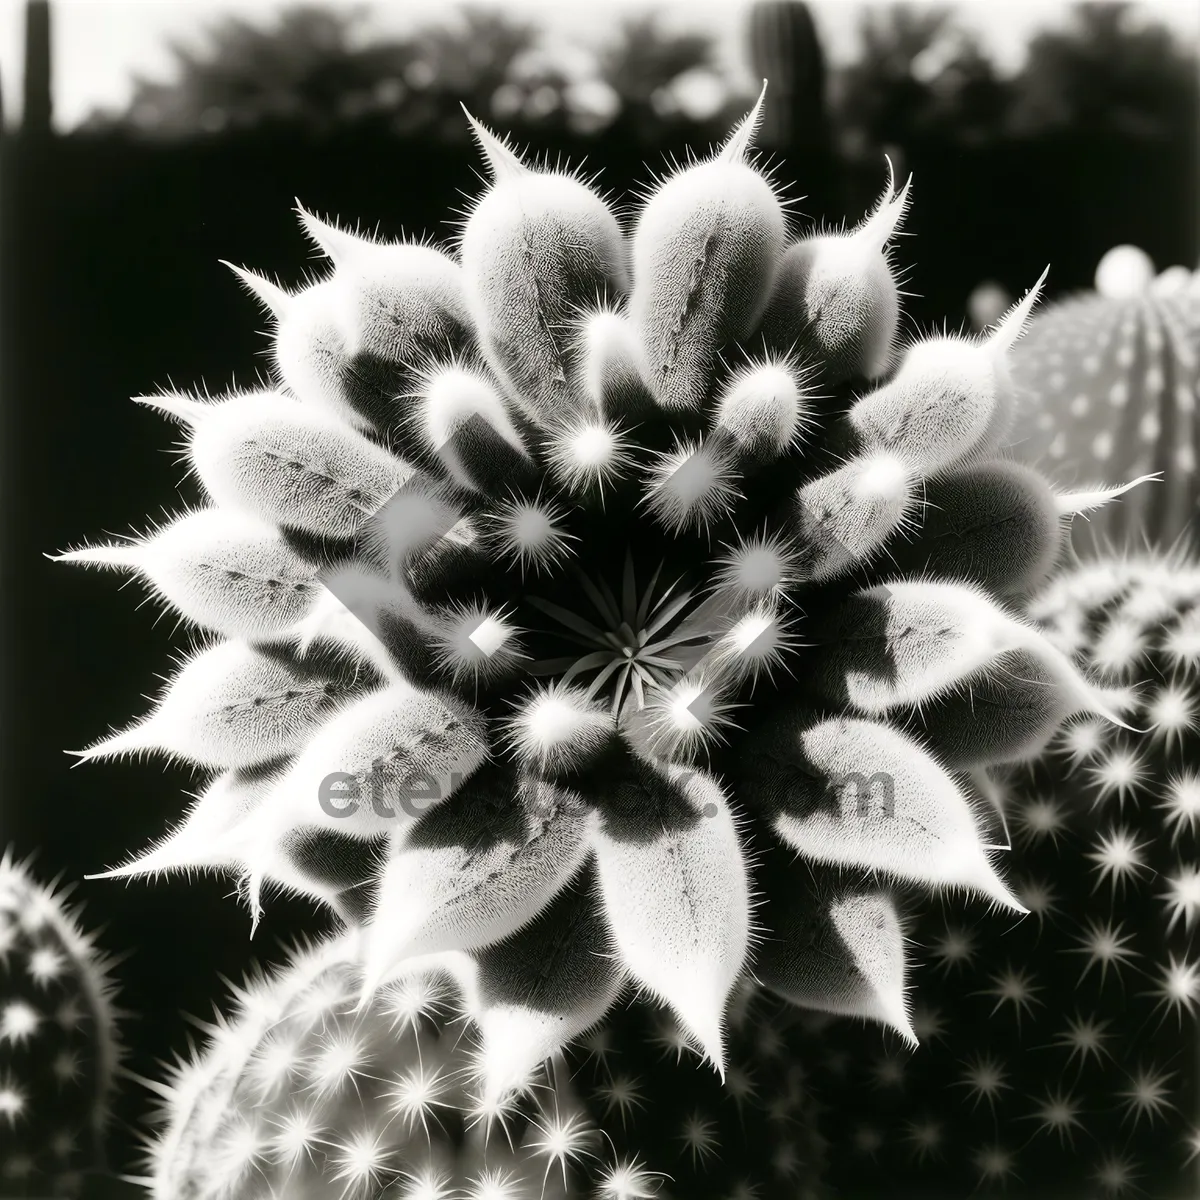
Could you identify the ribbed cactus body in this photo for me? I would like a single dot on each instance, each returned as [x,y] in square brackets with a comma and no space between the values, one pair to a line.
[613,613]
[785,48]
[1111,383]
[58,1048]
[1060,1051]
[304,1092]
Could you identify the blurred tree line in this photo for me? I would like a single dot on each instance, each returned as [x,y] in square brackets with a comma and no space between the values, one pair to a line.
[320,70]
[919,74]
[1106,72]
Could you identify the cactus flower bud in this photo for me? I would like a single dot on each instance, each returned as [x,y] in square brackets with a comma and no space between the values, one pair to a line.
[704,255]
[836,298]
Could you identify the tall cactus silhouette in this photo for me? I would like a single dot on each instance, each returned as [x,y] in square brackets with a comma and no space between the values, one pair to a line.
[1111,383]
[38,105]
[58,1043]
[786,49]
[559,620]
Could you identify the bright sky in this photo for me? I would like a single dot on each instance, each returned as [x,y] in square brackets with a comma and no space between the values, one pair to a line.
[100,44]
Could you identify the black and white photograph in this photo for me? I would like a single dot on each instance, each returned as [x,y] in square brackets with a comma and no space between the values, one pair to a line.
[600,600]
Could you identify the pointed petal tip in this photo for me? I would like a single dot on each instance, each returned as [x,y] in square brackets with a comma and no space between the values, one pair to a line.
[254,899]
[160,858]
[889,1009]
[270,295]
[366,994]
[502,160]
[126,742]
[1111,716]
[881,225]
[183,408]
[709,1034]
[738,144]
[1071,504]
[996,890]
[336,244]
[98,556]
[125,872]
[376,968]
[497,1086]
[1014,322]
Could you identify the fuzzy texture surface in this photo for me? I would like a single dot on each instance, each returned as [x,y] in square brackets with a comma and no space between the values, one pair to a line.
[58,1041]
[1112,382]
[1059,1051]
[303,1092]
[612,605]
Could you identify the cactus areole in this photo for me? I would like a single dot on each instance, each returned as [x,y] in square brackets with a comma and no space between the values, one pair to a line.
[602,569]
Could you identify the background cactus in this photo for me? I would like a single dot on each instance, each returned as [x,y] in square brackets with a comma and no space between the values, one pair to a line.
[986,304]
[38,106]
[303,1090]
[1112,381]
[785,48]
[58,1045]
[1059,1054]
[596,460]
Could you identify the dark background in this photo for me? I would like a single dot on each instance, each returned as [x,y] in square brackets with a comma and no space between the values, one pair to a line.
[111,288]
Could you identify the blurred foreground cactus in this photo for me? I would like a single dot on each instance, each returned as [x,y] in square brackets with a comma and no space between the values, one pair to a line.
[1111,383]
[564,618]
[58,1044]
[1060,1051]
[301,1092]
[305,1093]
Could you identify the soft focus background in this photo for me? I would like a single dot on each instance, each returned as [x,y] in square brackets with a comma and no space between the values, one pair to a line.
[144,141]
